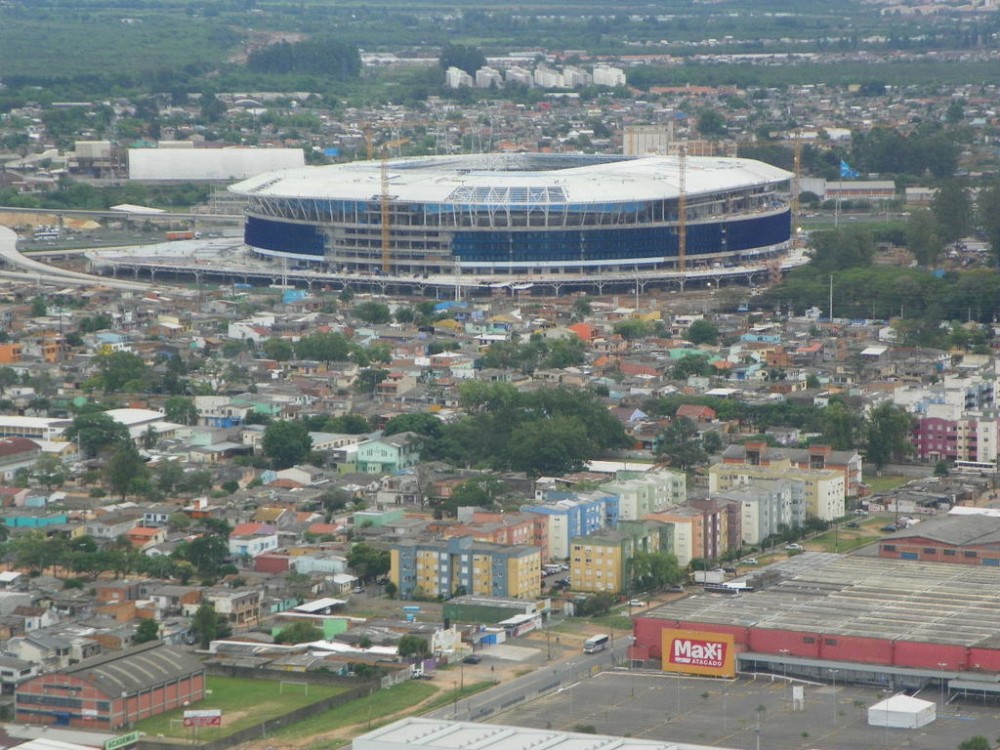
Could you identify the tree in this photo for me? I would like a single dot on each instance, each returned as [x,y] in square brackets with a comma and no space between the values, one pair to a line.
[8,378]
[95,432]
[989,217]
[923,237]
[287,442]
[369,378]
[299,632]
[479,491]
[711,124]
[367,561]
[374,313]
[49,471]
[205,624]
[975,743]
[413,647]
[38,307]
[147,630]
[181,409]
[952,210]
[125,470]
[427,425]
[122,371]
[703,332]
[323,347]
[689,365]
[469,59]
[277,349]
[680,445]
[841,426]
[207,553]
[887,432]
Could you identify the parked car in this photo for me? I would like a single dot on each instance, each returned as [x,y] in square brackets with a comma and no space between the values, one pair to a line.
[358,590]
[750,561]
[794,547]
[636,603]
[472,659]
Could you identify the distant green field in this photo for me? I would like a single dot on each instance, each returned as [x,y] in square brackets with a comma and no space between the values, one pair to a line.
[886,482]
[243,704]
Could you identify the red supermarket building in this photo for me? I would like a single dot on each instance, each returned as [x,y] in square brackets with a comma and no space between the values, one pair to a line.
[891,623]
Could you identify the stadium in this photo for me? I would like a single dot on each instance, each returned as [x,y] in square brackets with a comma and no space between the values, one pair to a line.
[522,217]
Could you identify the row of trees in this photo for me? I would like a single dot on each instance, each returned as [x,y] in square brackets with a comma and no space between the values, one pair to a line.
[206,556]
[883,432]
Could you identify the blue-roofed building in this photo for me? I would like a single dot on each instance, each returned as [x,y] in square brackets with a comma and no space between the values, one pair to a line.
[575,514]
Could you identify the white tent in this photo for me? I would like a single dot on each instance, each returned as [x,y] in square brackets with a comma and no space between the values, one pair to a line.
[902,712]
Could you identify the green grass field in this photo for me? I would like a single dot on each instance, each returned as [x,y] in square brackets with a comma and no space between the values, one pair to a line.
[886,482]
[243,704]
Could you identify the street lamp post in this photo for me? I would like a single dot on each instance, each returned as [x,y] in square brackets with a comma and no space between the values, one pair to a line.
[941,666]
[784,662]
[833,673]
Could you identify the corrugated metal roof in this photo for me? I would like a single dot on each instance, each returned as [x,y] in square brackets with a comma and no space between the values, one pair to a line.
[136,669]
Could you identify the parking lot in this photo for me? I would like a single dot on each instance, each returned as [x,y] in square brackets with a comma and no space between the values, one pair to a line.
[735,713]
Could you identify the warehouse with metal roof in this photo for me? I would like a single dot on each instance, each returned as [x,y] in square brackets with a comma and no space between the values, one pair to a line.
[880,617]
[113,690]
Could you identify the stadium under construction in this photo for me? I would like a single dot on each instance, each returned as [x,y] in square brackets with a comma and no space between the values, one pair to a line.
[545,222]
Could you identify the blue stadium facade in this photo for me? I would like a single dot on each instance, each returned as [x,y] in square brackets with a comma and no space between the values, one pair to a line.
[519,214]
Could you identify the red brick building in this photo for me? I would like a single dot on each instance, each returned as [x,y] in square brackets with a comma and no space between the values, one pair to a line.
[114,690]
[965,540]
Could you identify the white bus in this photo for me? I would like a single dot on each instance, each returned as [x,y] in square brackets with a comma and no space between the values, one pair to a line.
[596,643]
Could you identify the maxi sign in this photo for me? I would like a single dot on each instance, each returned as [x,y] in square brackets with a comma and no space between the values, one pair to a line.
[698,652]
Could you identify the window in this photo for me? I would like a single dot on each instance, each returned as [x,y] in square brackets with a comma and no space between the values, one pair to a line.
[949,553]
[970,553]
[808,639]
[930,551]
[830,642]
[889,547]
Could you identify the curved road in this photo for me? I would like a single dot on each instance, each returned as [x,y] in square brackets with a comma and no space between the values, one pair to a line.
[549,677]
[30,270]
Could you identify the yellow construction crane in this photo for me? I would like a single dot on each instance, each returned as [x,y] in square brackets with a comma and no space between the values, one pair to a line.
[796,189]
[682,207]
[386,218]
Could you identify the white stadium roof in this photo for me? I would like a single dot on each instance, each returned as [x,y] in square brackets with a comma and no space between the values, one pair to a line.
[508,178]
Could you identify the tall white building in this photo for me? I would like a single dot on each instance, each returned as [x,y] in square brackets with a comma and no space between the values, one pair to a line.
[605,75]
[455,78]
[766,505]
[487,77]
[652,492]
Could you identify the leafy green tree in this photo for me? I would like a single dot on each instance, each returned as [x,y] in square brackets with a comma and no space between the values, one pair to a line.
[702,332]
[923,237]
[654,570]
[549,446]
[122,371]
[287,443]
[989,217]
[565,352]
[692,365]
[367,562]
[887,432]
[952,209]
[842,427]
[147,630]
[323,347]
[207,553]
[205,624]
[181,409]
[96,432]
[413,647]
[711,123]
[299,632]
[368,379]
[8,378]
[375,313]
[277,349]
[49,471]
[484,492]
[463,57]
[842,248]
[633,328]
[125,471]
[680,445]
[427,425]
[975,743]
[38,307]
